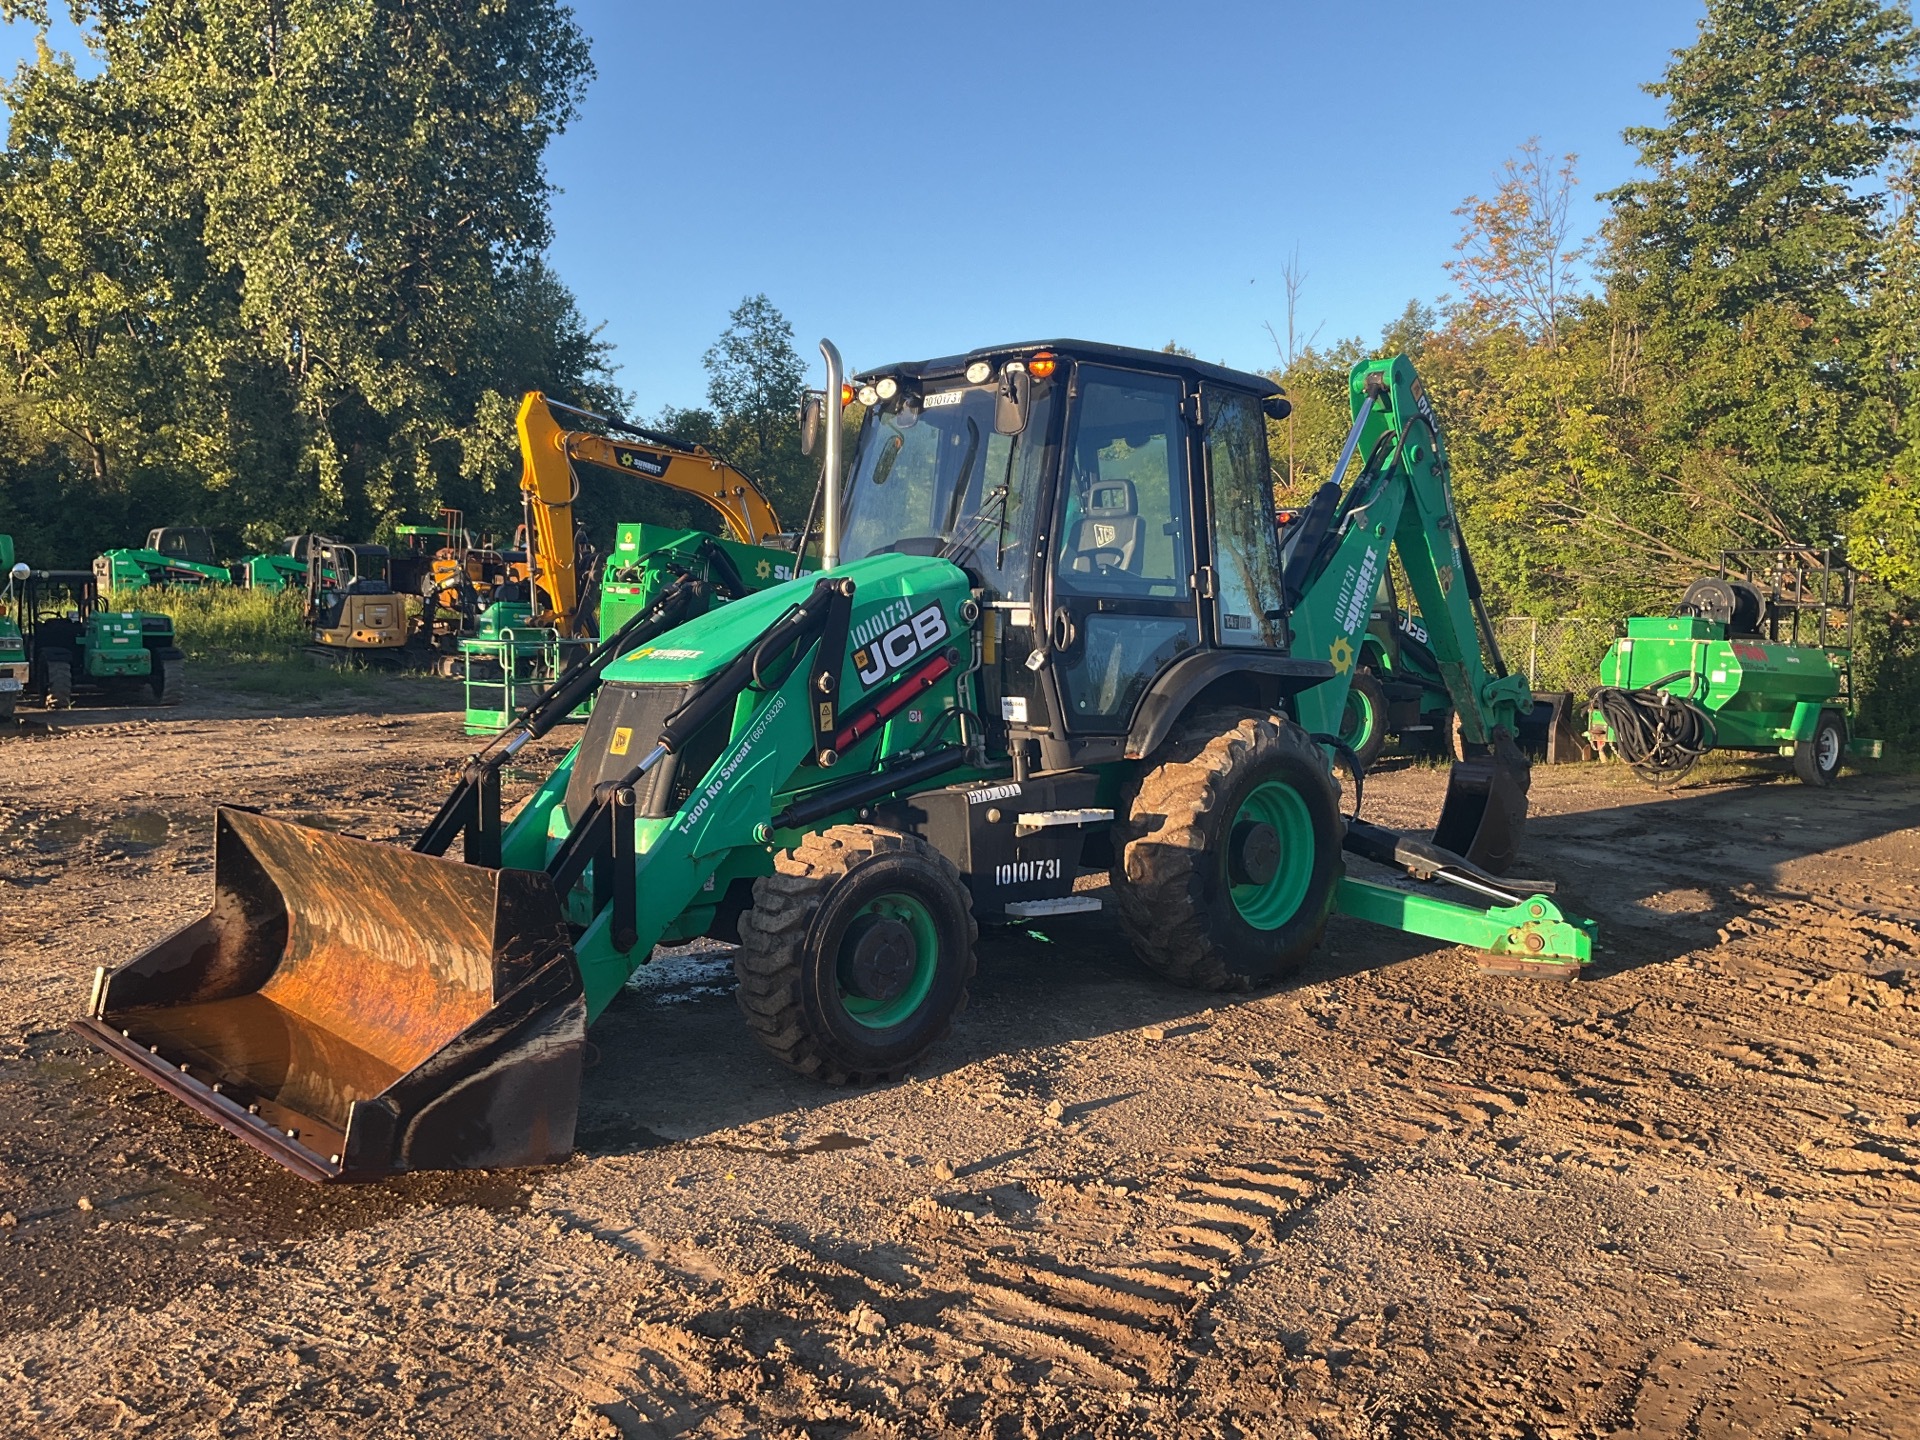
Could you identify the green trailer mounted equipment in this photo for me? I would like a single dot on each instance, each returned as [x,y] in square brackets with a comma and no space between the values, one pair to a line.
[1755,658]
[508,662]
[1051,636]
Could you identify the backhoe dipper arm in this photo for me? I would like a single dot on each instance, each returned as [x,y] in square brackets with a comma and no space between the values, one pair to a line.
[1403,499]
[548,453]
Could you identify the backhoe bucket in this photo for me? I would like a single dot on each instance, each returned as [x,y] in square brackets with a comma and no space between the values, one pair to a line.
[355,1009]
[1484,816]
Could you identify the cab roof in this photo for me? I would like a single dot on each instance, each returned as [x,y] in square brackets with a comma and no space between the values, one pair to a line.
[1082,350]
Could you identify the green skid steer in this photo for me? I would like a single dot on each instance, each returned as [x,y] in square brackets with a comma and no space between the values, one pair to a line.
[1051,634]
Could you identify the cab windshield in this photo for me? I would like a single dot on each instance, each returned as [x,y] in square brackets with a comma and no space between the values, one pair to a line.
[930,476]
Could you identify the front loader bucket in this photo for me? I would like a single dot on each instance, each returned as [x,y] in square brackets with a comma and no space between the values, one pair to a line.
[355,1009]
[1484,815]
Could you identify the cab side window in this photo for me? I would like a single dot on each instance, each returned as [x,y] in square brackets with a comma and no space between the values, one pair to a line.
[1126,527]
[1246,543]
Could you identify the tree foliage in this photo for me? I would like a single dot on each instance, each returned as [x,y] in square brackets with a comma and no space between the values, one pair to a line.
[278,263]
[1743,368]
[1518,265]
[755,382]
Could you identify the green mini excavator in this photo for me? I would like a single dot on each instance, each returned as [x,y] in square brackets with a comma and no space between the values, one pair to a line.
[1052,636]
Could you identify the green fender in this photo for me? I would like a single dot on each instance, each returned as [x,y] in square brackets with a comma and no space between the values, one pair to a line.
[1806,718]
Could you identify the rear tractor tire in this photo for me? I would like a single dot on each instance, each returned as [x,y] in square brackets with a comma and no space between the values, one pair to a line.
[1818,761]
[59,685]
[1229,853]
[1363,723]
[856,955]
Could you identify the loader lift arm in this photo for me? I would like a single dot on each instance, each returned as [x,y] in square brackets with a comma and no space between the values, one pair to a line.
[548,453]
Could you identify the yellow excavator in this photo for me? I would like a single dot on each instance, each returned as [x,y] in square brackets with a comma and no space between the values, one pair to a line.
[549,451]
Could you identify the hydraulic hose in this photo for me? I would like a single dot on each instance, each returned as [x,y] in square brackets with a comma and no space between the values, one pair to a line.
[1659,734]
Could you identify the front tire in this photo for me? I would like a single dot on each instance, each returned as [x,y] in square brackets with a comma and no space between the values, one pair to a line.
[1230,853]
[856,955]
[1818,761]
[59,685]
[169,676]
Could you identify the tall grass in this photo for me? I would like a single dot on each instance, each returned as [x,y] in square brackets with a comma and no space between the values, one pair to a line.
[229,625]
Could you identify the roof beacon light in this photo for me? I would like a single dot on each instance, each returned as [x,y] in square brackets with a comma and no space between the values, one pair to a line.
[846,395]
[1042,364]
[979,372]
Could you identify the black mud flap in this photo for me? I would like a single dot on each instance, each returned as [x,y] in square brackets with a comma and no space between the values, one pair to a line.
[355,1009]
[1484,816]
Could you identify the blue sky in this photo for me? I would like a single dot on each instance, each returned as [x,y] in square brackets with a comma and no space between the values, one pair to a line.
[919,179]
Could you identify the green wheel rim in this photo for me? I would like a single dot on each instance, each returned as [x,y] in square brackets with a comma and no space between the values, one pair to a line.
[884,1014]
[1357,720]
[1269,906]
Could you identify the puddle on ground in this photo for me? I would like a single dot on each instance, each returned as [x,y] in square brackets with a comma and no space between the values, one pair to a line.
[134,832]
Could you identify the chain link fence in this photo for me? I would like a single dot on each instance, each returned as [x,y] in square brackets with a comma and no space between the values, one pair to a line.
[1555,654]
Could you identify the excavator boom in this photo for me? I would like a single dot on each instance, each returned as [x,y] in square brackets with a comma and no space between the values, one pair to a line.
[549,451]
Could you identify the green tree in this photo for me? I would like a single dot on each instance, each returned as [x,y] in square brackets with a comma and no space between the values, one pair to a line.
[279,262]
[1517,262]
[1740,270]
[755,380]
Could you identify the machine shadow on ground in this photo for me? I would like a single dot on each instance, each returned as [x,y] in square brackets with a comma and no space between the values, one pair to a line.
[1663,874]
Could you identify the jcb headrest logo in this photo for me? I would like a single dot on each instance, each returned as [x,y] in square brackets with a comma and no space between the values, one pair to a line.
[893,648]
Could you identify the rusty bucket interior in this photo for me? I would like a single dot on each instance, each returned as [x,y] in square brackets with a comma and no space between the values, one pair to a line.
[355,1009]
[1484,815]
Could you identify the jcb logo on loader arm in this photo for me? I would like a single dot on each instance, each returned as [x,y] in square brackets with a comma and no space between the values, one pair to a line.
[894,648]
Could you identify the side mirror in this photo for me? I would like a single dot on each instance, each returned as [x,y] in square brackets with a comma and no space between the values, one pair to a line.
[1011,404]
[1276,407]
[810,423]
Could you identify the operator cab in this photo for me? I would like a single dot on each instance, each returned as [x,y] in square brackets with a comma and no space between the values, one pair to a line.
[1113,509]
[192,543]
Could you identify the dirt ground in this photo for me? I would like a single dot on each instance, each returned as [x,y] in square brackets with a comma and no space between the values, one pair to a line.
[1394,1198]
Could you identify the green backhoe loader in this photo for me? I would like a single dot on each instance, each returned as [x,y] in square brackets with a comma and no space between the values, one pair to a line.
[1051,635]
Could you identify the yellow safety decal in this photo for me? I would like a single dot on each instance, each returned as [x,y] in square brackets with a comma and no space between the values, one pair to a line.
[622,738]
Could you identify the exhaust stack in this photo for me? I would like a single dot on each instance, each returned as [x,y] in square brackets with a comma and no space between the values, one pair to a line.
[830,459]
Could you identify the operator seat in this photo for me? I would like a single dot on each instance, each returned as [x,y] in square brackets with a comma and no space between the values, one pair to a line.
[1107,535]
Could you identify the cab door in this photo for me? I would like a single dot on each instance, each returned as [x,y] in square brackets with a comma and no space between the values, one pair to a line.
[1123,604]
[1240,579]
